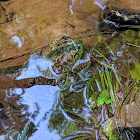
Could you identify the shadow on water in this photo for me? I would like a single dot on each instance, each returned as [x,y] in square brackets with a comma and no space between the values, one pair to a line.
[85,86]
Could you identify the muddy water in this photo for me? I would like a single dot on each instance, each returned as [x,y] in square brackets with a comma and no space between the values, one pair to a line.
[34,24]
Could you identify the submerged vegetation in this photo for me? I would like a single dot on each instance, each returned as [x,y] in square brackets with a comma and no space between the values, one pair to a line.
[93,98]
[105,91]
[84,86]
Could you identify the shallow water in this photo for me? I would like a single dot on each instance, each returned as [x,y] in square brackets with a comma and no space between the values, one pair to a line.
[54,116]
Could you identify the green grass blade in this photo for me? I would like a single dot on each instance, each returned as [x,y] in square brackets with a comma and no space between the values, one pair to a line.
[98,84]
[106,65]
[101,55]
[88,87]
[110,50]
[65,83]
[25,130]
[109,80]
[101,73]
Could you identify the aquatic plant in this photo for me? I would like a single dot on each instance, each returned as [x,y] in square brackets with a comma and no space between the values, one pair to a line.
[106,86]
[25,130]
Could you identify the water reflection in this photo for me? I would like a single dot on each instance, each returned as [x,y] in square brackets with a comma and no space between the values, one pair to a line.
[40,100]
[100,3]
[16,39]
[42,105]
[20,105]
[71,6]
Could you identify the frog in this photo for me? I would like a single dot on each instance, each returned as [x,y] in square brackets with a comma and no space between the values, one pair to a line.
[66,55]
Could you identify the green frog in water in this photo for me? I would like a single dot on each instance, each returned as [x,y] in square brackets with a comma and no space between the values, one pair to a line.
[66,55]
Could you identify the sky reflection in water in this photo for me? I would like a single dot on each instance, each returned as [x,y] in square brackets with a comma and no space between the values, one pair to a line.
[39,98]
